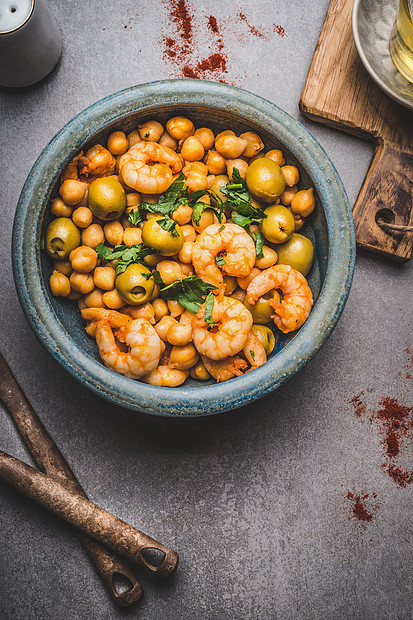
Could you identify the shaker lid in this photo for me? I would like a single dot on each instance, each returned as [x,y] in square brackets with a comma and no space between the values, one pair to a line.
[13,14]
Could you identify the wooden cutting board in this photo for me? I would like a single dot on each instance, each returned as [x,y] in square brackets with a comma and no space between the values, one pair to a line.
[339,92]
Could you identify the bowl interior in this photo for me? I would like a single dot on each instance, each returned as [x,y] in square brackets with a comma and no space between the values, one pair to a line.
[218,120]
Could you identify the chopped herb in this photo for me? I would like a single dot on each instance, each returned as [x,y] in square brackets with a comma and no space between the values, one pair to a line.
[209,306]
[238,198]
[259,244]
[124,254]
[220,261]
[169,225]
[197,210]
[252,355]
[167,203]
[189,292]
[136,216]
[156,276]
[221,228]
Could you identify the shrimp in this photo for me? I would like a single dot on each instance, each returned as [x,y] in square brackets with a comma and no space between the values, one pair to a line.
[228,368]
[166,377]
[98,162]
[229,241]
[233,322]
[254,351]
[148,167]
[93,315]
[292,312]
[145,347]
[71,171]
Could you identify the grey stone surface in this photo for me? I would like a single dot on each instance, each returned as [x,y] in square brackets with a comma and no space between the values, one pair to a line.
[254,500]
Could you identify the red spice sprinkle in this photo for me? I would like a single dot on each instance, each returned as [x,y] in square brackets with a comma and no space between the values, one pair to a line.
[188,72]
[212,23]
[213,62]
[359,406]
[279,30]
[253,29]
[358,505]
[181,16]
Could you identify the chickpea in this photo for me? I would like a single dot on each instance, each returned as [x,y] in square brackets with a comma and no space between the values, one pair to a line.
[83,259]
[206,219]
[229,146]
[81,305]
[160,308]
[199,166]
[59,209]
[291,175]
[82,217]
[152,260]
[179,334]
[113,232]
[74,295]
[132,200]
[188,232]
[94,299]
[63,266]
[133,138]
[287,195]
[151,198]
[145,311]
[269,259]
[183,357]
[150,131]
[183,214]
[199,372]
[93,235]
[206,137]
[245,280]
[254,144]
[277,156]
[180,127]
[227,132]
[240,164]
[118,143]
[185,253]
[72,191]
[155,293]
[215,163]
[113,300]
[239,294]
[299,221]
[59,284]
[187,269]
[175,308]
[85,199]
[170,271]
[192,149]
[163,326]
[168,141]
[132,236]
[196,181]
[104,278]
[303,202]
[211,180]
[81,282]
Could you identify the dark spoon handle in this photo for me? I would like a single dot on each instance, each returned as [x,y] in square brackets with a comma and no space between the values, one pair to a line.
[50,460]
[88,517]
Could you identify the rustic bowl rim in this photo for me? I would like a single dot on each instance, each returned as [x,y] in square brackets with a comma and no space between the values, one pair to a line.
[205,399]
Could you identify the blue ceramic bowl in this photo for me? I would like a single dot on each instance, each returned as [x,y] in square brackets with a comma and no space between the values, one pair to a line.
[57,323]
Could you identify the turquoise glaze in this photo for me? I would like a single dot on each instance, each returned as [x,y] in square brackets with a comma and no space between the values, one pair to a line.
[57,323]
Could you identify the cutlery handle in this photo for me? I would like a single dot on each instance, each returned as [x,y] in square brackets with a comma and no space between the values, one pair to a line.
[49,458]
[88,517]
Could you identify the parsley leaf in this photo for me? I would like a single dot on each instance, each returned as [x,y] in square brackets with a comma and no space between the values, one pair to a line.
[238,198]
[220,261]
[252,355]
[209,306]
[125,255]
[169,225]
[189,292]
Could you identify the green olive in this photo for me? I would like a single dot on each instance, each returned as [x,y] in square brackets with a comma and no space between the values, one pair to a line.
[265,336]
[62,236]
[265,179]
[161,240]
[230,285]
[262,311]
[279,224]
[132,285]
[107,198]
[298,252]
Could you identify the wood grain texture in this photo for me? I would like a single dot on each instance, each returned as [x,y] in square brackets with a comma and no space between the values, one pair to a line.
[339,92]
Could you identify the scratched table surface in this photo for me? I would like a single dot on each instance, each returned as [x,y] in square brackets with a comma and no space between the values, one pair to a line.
[283,509]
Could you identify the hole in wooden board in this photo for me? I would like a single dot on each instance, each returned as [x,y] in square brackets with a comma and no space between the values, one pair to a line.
[385,215]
